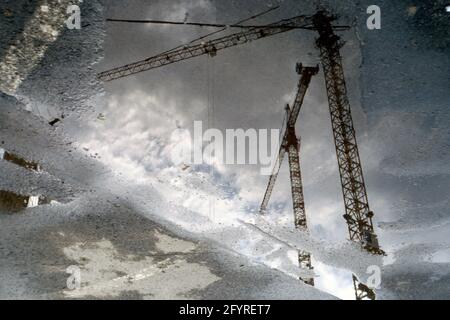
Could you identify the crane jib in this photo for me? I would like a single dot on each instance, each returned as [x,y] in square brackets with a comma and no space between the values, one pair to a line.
[209,47]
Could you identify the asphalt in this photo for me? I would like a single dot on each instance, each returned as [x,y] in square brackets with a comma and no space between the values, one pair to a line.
[122,255]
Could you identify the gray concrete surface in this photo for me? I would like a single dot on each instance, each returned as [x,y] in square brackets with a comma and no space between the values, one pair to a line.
[122,255]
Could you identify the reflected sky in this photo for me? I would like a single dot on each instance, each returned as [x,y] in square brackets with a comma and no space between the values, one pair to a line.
[398,80]
[398,87]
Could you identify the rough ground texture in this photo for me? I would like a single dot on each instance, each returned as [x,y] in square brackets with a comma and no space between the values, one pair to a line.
[122,255]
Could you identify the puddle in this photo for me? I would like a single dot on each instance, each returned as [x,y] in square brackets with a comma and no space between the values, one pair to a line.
[13,202]
[7,156]
[441,256]
[335,281]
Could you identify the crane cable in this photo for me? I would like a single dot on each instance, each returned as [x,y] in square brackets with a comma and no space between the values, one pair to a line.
[224,27]
[202,24]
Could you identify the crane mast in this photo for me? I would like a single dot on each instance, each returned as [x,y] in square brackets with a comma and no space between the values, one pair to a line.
[357,212]
[292,147]
[362,291]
